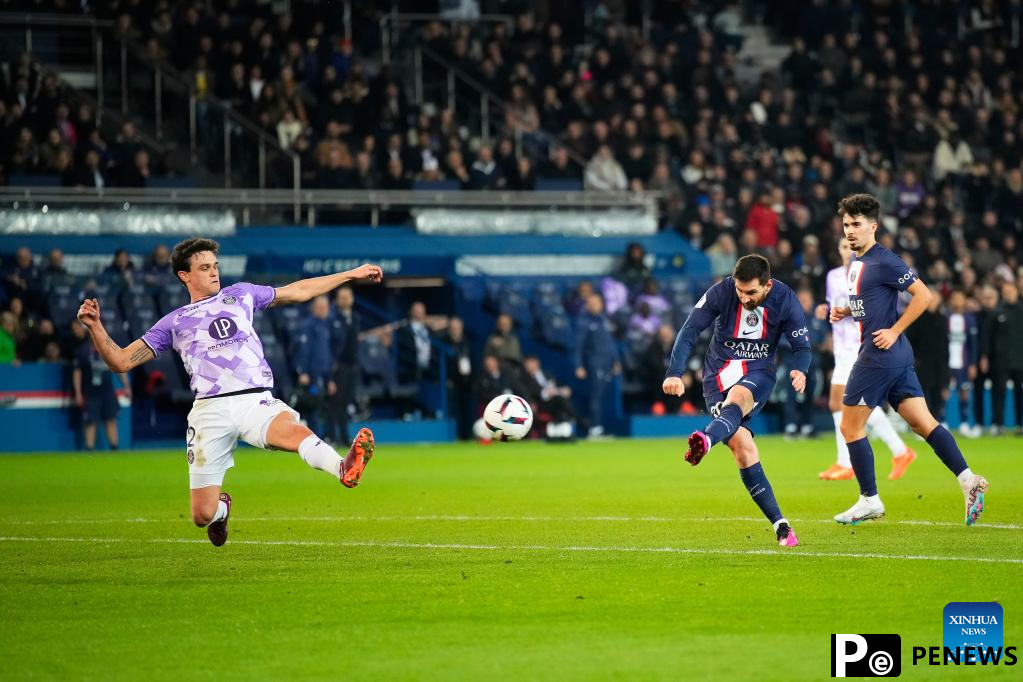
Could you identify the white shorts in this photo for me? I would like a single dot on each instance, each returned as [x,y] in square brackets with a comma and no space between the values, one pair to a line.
[843,366]
[216,424]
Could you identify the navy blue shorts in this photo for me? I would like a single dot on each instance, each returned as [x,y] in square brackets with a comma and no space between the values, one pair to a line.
[871,385]
[101,406]
[961,379]
[759,382]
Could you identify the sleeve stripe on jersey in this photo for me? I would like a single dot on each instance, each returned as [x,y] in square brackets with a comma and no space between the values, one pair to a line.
[149,346]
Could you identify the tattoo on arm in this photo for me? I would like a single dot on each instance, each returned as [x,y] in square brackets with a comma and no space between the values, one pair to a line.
[141,355]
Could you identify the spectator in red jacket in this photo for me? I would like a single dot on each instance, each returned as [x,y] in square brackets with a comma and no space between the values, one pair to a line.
[764,222]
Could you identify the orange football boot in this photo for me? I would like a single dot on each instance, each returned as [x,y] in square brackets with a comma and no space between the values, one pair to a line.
[358,457]
[836,472]
[900,463]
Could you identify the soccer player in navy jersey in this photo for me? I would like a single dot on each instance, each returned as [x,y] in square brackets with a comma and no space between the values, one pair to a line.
[884,368]
[753,313]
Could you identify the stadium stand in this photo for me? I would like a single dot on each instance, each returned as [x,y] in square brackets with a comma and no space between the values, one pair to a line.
[747,128]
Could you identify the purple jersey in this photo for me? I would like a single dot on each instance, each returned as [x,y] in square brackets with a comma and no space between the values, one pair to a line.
[845,334]
[216,340]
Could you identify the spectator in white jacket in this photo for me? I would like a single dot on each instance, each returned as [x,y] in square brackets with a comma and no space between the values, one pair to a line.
[604,173]
[952,156]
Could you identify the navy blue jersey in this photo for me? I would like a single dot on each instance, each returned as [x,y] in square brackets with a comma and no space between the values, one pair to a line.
[875,280]
[744,340]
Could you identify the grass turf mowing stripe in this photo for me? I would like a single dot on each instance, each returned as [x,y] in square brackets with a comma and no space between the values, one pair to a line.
[545,519]
[535,548]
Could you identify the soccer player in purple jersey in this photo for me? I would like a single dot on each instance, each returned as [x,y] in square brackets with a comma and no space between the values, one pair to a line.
[230,377]
[884,368]
[753,313]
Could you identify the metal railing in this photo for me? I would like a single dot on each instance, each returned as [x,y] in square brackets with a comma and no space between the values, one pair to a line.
[390,26]
[304,206]
[127,75]
[484,103]
[213,125]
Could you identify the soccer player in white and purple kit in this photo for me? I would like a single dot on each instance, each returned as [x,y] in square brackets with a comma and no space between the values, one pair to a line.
[884,371]
[230,378]
[753,313]
[845,343]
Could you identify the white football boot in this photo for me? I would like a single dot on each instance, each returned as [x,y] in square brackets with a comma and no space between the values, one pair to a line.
[864,510]
[973,490]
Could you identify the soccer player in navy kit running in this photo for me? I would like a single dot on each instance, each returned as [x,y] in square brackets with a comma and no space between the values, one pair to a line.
[884,368]
[753,313]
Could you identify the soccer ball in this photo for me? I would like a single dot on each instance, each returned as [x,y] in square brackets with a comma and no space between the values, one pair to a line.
[508,417]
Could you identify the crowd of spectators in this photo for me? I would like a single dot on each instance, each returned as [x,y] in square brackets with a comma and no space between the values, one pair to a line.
[46,130]
[916,102]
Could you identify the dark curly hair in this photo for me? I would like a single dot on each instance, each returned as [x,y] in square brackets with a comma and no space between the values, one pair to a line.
[181,256]
[860,204]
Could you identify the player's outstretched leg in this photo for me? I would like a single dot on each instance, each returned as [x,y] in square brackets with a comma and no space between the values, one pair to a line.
[753,477]
[902,455]
[286,433]
[914,411]
[869,505]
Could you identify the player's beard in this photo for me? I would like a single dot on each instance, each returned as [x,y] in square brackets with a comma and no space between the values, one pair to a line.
[752,305]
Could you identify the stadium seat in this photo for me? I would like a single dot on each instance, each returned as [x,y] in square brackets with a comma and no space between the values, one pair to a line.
[170,182]
[133,300]
[375,364]
[437,185]
[63,309]
[39,180]
[559,185]
[557,331]
[171,297]
[140,320]
[165,376]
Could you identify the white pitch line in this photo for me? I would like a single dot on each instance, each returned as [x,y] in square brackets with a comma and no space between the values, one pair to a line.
[539,548]
[466,517]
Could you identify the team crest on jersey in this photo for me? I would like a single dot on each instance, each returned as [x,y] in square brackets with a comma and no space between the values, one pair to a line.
[230,300]
[751,324]
[855,271]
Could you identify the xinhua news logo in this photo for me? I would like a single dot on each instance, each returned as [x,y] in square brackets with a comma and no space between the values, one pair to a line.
[974,627]
[866,655]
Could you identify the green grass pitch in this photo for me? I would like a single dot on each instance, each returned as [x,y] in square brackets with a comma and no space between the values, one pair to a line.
[609,560]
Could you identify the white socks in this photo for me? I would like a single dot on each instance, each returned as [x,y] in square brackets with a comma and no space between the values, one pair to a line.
[221,513]
[882,428]
[779,522]
[843,451]
[319,455]
[965,478]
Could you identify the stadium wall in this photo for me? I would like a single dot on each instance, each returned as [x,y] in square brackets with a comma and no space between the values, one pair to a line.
[37,412]
[401,251]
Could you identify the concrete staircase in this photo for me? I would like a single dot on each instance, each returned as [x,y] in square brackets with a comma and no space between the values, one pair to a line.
[759,54]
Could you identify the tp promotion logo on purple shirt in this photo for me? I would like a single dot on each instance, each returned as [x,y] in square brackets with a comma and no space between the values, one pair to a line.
[223,328]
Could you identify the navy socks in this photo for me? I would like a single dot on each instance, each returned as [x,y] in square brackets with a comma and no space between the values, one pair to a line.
[755,480]
[946,448]
[862,458]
